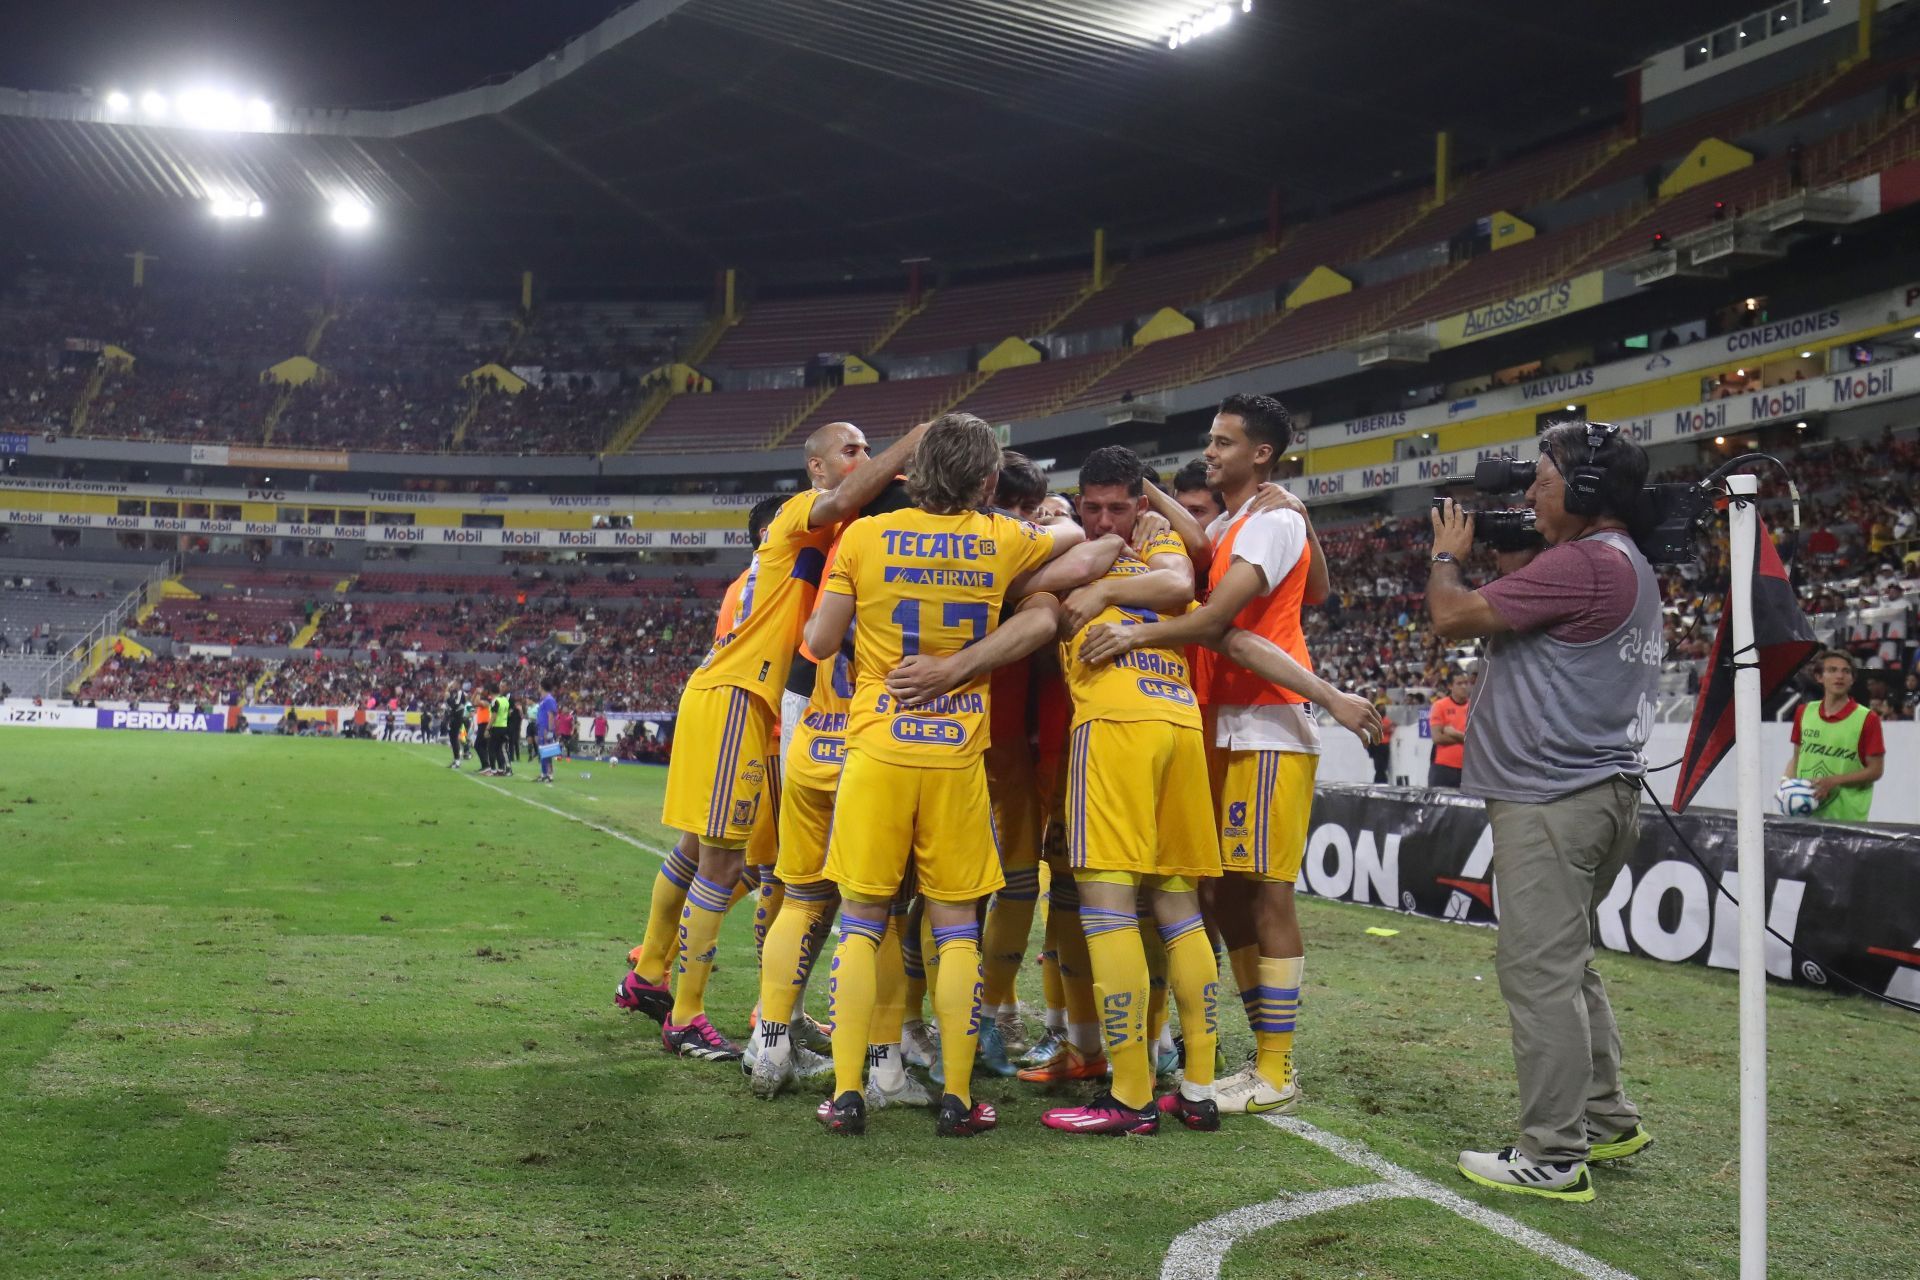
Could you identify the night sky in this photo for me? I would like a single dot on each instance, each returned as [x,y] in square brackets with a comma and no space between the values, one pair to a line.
[292,52]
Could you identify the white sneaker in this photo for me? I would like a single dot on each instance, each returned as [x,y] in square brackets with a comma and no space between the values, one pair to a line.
[919,1044]
[1247,1092]
[1510,1169]
[768,1074]
[909,1093]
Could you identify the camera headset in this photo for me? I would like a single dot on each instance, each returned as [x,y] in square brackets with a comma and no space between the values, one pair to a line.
[1586,480]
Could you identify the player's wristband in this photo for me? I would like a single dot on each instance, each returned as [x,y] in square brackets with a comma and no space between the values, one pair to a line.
[1444,557]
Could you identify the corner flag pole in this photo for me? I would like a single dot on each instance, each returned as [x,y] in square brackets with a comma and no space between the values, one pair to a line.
[1742,528]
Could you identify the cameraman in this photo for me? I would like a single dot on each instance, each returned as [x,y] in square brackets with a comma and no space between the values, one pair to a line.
[1563,706]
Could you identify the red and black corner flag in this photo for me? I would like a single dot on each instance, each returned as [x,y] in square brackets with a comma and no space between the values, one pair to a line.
[1784,640]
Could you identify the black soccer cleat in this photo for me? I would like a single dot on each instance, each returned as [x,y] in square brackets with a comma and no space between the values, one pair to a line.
[955,1119]
[846,1114]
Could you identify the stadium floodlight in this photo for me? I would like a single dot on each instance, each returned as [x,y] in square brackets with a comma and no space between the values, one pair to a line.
[351,214]
[225,207]
[204,108]
[119,103]
[1203,21]
[153,103]
[260,114]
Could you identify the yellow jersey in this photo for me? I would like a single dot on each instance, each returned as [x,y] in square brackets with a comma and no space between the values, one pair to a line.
[932,584]
[1144,684]
[819,742]
[782,580]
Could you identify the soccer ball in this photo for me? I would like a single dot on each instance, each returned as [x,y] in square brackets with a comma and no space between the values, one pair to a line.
[1796,797]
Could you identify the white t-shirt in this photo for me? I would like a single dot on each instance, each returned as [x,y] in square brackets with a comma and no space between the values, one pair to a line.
[1273,543]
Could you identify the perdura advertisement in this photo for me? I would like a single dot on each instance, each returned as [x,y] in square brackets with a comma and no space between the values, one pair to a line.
[1847,895]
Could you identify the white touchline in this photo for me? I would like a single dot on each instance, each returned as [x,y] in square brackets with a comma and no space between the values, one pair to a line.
[1196,1253]
[570,817]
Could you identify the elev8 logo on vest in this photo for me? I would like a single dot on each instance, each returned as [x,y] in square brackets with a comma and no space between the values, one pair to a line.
[165,721]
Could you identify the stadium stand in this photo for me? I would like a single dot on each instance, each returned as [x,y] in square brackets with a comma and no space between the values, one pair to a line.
[791,331]
[961,316]
[1172,279]
[724,420]
[1034,390]
[887,406]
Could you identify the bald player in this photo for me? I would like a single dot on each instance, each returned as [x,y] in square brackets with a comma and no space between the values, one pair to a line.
[724,733]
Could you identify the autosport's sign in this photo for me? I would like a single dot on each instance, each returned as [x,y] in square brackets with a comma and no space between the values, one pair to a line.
[1787,334]
[1847,895]
[162,721]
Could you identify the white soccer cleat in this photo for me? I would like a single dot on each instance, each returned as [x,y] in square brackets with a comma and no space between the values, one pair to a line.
[919,1044]
[1510,1169]
[909,1093]
[1247,1092]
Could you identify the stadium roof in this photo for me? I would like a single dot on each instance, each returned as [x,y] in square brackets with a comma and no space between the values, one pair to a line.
[828,136]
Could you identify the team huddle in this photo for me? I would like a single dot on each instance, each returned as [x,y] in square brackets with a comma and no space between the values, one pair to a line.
[925,700]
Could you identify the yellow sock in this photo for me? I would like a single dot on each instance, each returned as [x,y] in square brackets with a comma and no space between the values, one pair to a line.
[700,920]
[1194,975]
[889,987]
[787,955]
[956,1006]
[663,917]
[1120,982]
[1076,978]
[767,902]
[1156,954]
[1003,942]
[850,992]
[1052,989]
[1245,963]
[1278,1005]
[912,961]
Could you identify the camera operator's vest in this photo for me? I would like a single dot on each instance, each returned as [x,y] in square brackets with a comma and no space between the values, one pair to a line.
[1552,717]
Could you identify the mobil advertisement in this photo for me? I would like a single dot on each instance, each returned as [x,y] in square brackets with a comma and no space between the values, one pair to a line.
[1870,384]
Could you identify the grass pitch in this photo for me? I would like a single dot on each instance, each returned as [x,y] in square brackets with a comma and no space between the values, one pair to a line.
[311,1008]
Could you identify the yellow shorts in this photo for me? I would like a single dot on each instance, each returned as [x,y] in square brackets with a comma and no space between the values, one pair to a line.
[763,846]
[1015,797]
[1264,799]
[1133,879]
[1138,800]
[806,820]
[890,818]
[717,776]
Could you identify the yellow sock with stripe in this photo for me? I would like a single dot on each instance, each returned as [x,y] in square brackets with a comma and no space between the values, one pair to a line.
[787,955]
[851,991]
[1052,989]
[1156,980]
[914,965]
[957,991]
[1120,984]
[771,896]
[1245,963]
[1277,1006]
[1076,970]
[1194,975]
[700,919]
[663,917]
[1003,942]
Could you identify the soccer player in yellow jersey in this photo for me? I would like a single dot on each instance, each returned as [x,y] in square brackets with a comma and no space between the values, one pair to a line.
[1264,566]
[811,774]
[724,730]
[929,579]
